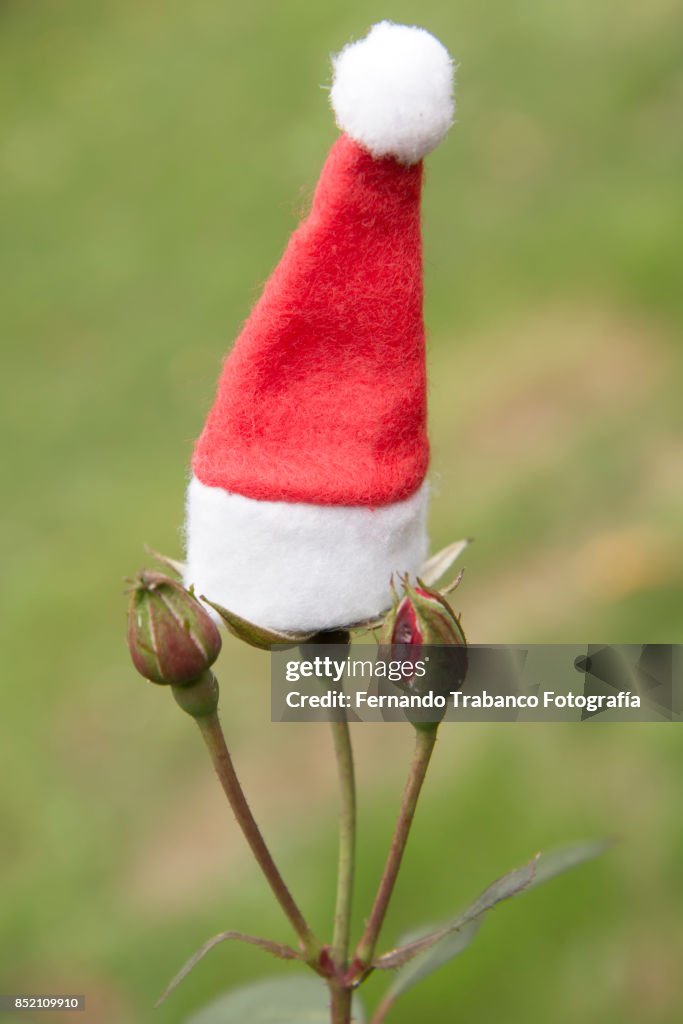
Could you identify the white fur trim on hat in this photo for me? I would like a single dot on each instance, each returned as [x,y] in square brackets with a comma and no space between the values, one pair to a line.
[299,566]
[393,91]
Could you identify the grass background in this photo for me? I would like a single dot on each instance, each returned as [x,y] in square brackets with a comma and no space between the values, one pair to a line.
[153,159]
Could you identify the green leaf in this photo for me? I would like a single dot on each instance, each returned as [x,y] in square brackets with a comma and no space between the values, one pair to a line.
[274,948]
[419,967]
[555,862]
[257,636]
[502,889]
[300,1000]
[422,956]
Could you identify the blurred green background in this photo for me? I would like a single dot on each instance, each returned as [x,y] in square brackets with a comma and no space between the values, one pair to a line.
[154,157]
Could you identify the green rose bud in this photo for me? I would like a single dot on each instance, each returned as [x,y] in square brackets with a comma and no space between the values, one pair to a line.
[171,637]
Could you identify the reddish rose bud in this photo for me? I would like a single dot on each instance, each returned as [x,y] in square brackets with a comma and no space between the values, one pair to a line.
[171,637]
[421,616]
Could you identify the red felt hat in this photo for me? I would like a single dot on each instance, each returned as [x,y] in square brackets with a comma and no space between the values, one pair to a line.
[317,441]
[322,399]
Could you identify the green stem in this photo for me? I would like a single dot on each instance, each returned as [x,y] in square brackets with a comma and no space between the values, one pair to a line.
[340,1003]
[212,733]
[341,737]
[424,746]
[347,842]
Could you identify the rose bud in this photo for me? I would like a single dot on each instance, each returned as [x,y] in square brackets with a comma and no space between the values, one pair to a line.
[171,637]
[423,618]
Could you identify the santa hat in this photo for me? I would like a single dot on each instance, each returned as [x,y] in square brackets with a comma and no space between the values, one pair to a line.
[308,490]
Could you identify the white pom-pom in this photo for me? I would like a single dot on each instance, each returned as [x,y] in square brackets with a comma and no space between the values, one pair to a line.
[393,91]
